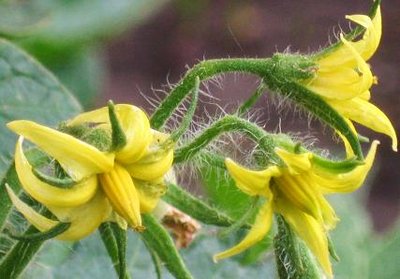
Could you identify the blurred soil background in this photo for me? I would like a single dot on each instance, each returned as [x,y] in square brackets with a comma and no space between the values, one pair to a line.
[183,32]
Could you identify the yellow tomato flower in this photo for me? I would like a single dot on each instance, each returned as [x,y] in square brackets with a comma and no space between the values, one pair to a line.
[296,191]
[343,78]
[108,184]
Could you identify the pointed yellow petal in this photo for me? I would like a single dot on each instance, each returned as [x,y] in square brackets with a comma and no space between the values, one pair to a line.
[366,114]
[47,194]
[296,163]
[94,116]
[371,38]
[301,191]
[78,158]
[366,47]
[344,81]
[260,228]
[345,182]
[134,123]
[347,146]
[308,229]
[122,194]
[37,220]
[85,218]
[249,181]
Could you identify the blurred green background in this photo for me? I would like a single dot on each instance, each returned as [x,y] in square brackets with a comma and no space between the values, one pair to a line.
[130,50]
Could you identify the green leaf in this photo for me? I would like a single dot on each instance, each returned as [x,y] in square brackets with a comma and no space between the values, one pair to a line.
[88,259]
[21,18]
[81,22]
[28,91]
[222,191]
[351,237]
[81,70]
[384,259]
[19,256]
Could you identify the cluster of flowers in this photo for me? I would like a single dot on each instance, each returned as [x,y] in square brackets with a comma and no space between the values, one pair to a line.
[117,163]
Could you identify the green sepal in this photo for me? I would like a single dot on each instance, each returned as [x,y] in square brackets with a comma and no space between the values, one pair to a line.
[243,220]
[65,182]
[158,239]
[337,166]
[332,250]
[195,207]
[293,259]
[250,102]
[18,257]
[42,236]
[319,108]
[118,138]
[189,113]
[114,239]
[156,261]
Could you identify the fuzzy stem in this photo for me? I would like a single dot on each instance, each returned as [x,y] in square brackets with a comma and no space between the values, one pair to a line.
[228,123]
[204,71]
[189,114]
[281,74]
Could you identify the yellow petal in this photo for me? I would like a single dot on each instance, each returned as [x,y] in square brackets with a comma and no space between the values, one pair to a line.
[94,116]
[296,163]
[344,81]
[151,170]
[37,220]
[345,182]
[137,130]
[122,194]
[366,47]
[249,181]
[301,191]
[260,228]
[347,146]
[85,218]
[134,123]
[77,158]
[47,194]
[308,229]
[366,114]
[372,35]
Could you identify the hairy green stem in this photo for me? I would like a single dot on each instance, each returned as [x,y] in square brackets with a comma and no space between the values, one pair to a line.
[204,71]
[188,115]
[281,74]
[228,123]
